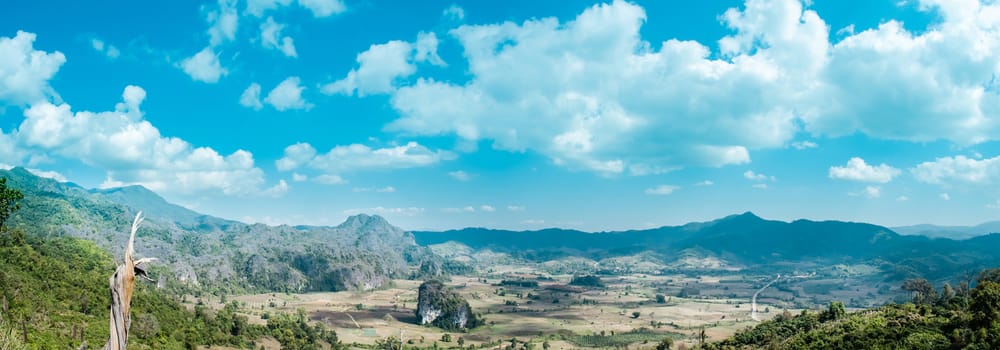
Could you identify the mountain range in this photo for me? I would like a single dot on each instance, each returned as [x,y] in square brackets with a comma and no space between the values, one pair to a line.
[366,251]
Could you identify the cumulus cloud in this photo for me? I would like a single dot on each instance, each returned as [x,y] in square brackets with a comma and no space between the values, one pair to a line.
[587,91]
[590,93]
[135,151]
[358,157]
[24,71]
[288,95]
[204,66]
[382,65]
[487,208]
[251,97]
[959,170]
[299,177]
[661,190]
[944,196]
[271,38]
[454,12]
[705,183]
[857,170]
[223,22]
[516,208]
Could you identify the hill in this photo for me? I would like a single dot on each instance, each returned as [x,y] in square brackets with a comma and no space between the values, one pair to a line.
[743,240]
[202,251]
[952,232]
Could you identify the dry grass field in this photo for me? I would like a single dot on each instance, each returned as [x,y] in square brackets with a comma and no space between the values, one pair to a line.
[536,314]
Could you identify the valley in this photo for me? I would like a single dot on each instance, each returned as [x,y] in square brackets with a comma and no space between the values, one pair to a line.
[524,303]
[290,286]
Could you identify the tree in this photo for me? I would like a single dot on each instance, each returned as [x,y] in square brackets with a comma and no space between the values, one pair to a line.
[546,345]
[461,341]
[923,292]
[635,314]
[834,312]
[665,344]
[10,201]
[660,299]
[446,338]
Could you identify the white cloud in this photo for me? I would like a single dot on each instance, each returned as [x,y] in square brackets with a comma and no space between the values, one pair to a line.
[277,190]
[386,189]
[358,157]
[50,174]
[466,209]
[487,208]
[590,93]
[752,176]
[328,179]
[959,170]
[134,151]
[994,205]
[382,65]
[108,50]
[288,95]
[295,156]
[454,12]
[587,93]
[460,175]
[270,37]
[869,192]
[223,22]
[705,183]
[204,66]
[944,196]
[801,145]
[405,211]
[324,8]
[902,199]
[760,186]
[251,97]
[661,190]
[24,71]
[299,177]
[857,170]
[516,208]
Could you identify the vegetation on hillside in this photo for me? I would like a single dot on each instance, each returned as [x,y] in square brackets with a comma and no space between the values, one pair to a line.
[959,318]
[54,293]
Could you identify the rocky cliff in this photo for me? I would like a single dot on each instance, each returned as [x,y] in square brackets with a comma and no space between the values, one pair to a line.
[442,307]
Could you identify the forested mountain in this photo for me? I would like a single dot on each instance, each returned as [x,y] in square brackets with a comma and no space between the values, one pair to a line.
[204,251]
[745,239]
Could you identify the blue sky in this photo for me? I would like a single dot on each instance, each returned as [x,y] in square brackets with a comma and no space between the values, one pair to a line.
[520,114]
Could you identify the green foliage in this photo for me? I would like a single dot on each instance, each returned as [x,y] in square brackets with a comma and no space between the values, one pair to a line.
[927,324]
[587,281]
[10,201]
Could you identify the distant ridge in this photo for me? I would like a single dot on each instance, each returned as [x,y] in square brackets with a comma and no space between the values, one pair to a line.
[952,232]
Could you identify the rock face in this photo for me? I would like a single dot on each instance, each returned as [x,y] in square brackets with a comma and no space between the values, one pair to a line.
[439,306]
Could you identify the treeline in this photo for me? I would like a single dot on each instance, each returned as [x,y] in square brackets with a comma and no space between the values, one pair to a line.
[960,318]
